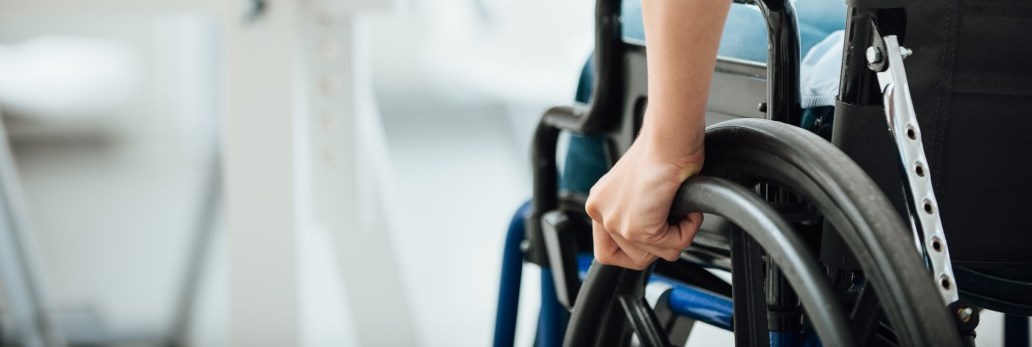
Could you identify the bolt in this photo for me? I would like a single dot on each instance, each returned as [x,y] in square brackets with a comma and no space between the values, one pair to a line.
[965,313]
[874,55]
[905,52]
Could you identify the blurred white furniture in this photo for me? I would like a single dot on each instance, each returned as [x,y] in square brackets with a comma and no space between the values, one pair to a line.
[300,158]
[20,280]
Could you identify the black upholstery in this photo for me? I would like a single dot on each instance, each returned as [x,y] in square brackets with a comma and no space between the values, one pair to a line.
[971,81]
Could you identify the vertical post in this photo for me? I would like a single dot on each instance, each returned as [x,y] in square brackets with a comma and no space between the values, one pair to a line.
[858,85]
[20,281]
[607,91]
[260,150]
[783,100]
[783,105]
[750,305]
[345,194]
[303,158]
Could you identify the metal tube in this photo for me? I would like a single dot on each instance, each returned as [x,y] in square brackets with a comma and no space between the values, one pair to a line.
[783,100]
[509,285]
[783,105]
[546,188]
[608,90]
[858,85]
[19,273]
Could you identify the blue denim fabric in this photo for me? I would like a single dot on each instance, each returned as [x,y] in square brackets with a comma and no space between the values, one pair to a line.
[744,37]
[745,32]
[585,159]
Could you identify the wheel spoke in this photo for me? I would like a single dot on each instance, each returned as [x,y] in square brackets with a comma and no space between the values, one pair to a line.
[784,316]
[865,314]
[687,272]
[642,321]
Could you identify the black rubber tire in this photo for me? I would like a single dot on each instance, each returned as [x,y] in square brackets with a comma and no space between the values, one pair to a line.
[864,217]
[753,215]
[847,198]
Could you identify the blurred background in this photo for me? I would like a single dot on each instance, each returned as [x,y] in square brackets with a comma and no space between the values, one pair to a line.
[274,173]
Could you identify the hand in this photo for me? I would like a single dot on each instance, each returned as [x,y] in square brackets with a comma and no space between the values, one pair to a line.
[629,207]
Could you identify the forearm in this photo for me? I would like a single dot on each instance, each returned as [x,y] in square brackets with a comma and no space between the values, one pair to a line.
[682,37]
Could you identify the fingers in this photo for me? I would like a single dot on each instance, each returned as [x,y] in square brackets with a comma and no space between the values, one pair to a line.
[592,205]
[692,222]
[640,259]
[680,235]
[632,232]
[609,252]
[667,244]
[661,250]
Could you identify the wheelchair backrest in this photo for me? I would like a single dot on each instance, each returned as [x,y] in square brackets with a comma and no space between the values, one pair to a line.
[971,82]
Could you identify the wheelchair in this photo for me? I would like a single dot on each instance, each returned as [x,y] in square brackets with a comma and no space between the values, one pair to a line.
[836,240]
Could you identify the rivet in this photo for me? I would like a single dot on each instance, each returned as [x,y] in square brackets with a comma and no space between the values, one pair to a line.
[965,314]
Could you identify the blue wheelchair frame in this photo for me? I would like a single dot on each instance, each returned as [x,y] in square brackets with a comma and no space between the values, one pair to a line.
[685,300]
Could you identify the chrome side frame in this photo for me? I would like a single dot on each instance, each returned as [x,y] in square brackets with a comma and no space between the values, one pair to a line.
[886,59]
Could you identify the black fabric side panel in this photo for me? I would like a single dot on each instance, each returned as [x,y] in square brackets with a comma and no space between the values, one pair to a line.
[998,289]
[988,138]
[971,81]
[862,133]
[931,28]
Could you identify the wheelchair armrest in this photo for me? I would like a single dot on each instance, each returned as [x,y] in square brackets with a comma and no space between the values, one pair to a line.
[568,118]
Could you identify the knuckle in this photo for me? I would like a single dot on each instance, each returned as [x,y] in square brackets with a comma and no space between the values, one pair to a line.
[622,230]
[596,189]
[591,207]
[625,233]
[638,237]
[594,209]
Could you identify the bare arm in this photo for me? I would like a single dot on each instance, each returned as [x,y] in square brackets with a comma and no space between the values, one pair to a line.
[629,205]
[682,40]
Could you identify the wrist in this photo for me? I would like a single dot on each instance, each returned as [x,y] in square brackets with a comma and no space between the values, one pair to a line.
[686,154]
[682,145]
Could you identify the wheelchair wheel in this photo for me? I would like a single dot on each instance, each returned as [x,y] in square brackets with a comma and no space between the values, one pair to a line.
[897,298]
